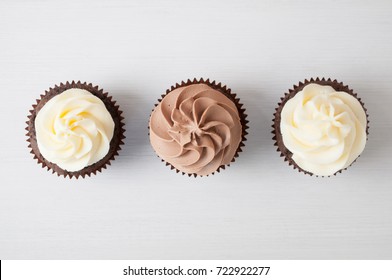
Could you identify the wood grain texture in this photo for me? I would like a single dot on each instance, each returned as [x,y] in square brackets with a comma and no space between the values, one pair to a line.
[259,208]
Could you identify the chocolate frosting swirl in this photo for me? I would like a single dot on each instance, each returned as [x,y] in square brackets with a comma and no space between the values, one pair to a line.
[196,129]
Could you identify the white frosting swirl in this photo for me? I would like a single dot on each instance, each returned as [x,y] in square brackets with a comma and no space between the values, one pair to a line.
[324,129]
[74,129]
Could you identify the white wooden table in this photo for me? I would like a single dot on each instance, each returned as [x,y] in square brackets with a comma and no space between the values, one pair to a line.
[139,208]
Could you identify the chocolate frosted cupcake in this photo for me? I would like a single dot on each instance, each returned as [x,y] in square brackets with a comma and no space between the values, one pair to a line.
[198,127]
[320,127]
[75,129]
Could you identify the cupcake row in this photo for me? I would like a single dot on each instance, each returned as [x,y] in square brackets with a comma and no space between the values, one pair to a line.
[198,127]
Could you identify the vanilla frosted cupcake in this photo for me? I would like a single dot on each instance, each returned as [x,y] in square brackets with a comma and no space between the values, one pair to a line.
[320,127]
[75,129]
[198,127]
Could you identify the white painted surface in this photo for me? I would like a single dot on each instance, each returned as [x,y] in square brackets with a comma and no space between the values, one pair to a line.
[138,208]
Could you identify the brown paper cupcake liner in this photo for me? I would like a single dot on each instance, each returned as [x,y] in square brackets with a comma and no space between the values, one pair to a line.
[115,143]
[233,97]
[284,152]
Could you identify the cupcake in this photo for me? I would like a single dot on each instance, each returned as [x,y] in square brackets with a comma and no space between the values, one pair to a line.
[320,127]
[75,129]
[198,127]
